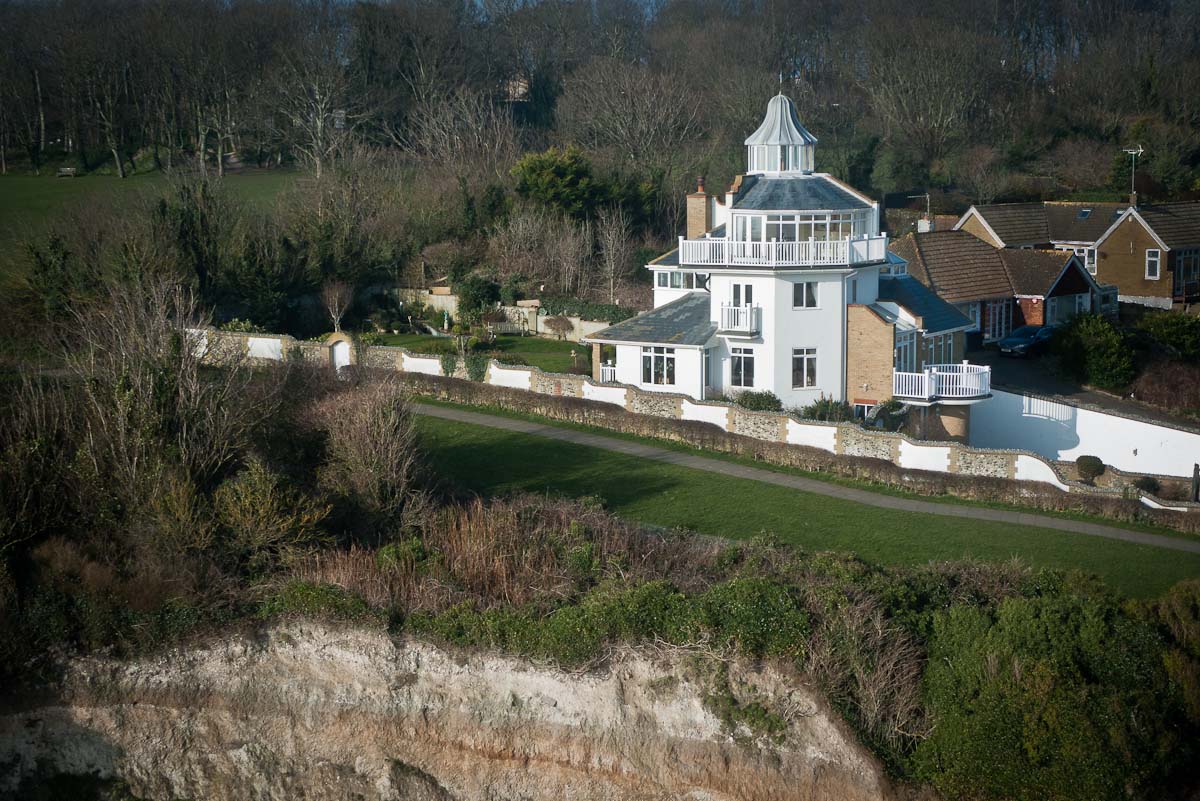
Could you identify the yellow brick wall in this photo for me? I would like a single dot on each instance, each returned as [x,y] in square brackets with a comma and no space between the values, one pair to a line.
[975,228]
[699,222]
[869,345]
[1121,260]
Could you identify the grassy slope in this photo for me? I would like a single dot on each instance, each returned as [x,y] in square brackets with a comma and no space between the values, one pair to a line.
[27,202]
[497,462]
[551,355]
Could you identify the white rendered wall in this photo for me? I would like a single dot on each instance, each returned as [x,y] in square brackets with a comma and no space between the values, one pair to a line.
[604,393]
[264,348]
[924,457]
[705,413]
[812,435]
[507,377]
[689,366]
[1061,431]
[664,296]
[422,364]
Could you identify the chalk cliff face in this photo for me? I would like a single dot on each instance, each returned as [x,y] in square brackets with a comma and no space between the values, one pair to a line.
[305,710]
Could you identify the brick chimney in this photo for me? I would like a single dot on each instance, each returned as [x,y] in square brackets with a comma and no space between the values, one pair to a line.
[699,211]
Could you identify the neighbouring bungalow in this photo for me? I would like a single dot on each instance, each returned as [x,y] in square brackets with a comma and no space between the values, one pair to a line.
[1000,289]
[1150,253]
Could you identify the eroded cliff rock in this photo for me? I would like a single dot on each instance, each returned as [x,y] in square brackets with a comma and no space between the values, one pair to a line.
[306,710]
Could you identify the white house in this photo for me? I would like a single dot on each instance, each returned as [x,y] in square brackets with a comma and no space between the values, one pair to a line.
[785,283]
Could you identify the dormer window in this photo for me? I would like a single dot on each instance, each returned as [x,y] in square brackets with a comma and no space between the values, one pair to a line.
[781,144]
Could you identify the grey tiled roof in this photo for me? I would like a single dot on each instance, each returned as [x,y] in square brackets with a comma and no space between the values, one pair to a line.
[1177,224]
[668,259]
[936,314]
[681,322]
[799,193]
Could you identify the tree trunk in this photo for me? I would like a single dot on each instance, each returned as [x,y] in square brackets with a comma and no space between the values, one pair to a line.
[117,160]
[37,82]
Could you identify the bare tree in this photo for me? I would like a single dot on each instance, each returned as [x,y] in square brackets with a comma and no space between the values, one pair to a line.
[616,247]
[464,131]
[648,116]
[337,296]
[982,172]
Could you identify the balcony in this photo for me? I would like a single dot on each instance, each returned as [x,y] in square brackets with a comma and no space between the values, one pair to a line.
[947,383]
[608,373]
[722,252]
[739,319]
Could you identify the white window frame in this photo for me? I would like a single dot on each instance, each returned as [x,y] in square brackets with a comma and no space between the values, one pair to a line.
[739,358]
[661,365]
[861,410]
[811,297]
[808,360]
[904,353]
[1153,256]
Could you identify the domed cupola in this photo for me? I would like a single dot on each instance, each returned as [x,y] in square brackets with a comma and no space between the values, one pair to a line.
[781,143]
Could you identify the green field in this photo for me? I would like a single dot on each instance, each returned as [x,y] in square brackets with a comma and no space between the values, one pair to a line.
[27,202]
[494,462]
[552,355]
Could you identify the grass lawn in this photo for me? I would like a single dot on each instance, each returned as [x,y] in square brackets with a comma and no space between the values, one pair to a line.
[495,462]
[551,355]
[28,201]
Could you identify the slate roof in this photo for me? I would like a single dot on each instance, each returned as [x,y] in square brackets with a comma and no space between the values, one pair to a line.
[936,314]
[1034,272]
[795,193]
[955,264]
[681,322]
[668,259]
[1177,224]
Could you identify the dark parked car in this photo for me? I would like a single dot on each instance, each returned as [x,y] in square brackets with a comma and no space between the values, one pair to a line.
[1027,340]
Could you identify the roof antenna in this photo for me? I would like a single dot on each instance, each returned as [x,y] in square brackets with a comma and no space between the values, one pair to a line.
[1133,152]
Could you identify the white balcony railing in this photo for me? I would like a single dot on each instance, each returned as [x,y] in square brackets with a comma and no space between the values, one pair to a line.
[739,319]
[943,382]
[813,252]
[608,374]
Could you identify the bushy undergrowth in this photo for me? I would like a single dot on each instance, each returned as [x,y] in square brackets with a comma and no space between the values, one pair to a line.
[1093,350]
[759,400]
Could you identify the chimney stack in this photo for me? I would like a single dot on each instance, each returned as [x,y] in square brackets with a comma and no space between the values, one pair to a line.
[1133,199]
[699,211]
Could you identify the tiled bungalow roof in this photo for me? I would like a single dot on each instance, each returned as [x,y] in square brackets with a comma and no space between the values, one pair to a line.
[681,322]
[1034,272]
[1016,223]
[1177,224]
[1080,222]
[955,265]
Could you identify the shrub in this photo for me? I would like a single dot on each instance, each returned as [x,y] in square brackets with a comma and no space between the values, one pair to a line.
[1171,385]
[827,409]
[475,293]
[477,365]
[1179,333]
[241,326]
[1092,350]
[1089,468]
[313,600]
[263,519]
[560,326]
[1047,698]
[759,400]
[585,310]
[449,364]
[1148,484]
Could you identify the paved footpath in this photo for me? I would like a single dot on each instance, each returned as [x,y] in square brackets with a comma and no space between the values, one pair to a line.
[814,486]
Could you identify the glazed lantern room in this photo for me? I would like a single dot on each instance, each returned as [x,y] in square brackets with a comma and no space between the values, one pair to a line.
[781,143]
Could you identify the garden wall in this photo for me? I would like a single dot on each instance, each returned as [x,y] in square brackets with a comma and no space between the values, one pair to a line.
[1063,431]
[844,448]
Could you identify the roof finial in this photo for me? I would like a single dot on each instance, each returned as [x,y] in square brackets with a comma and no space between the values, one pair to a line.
[781,79]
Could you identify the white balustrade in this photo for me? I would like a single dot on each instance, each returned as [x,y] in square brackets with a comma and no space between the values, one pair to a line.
[743,319]
[725,252]
[608,374]
[943,382]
